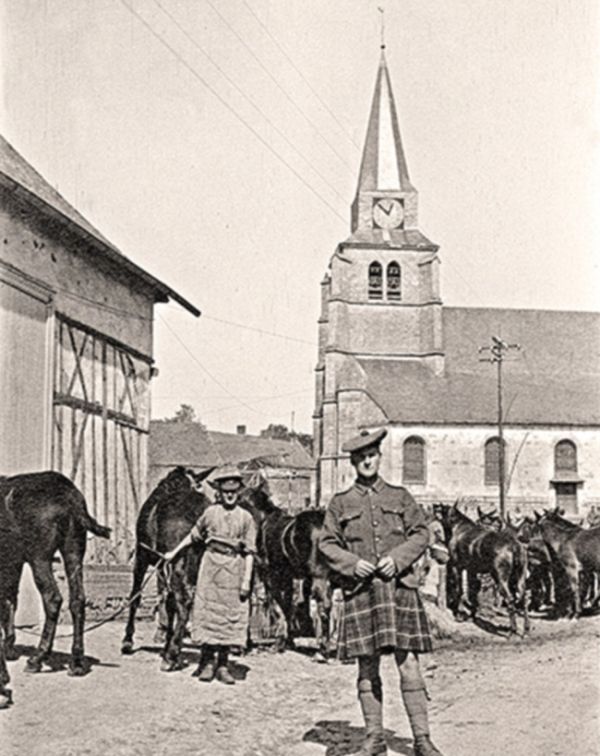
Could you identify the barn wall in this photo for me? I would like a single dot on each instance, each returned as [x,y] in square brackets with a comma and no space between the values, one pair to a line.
[106,300]
[75,360]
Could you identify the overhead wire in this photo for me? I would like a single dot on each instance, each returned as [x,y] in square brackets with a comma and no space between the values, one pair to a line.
[278,85]
[232,110]
[248,99]
[300,74]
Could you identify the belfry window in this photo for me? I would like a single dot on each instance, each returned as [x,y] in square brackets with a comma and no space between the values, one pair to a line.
[394,280]
[413,460]
[375,281]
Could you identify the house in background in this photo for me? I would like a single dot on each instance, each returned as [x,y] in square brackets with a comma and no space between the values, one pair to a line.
[76,352]
[286,465]
[391,354]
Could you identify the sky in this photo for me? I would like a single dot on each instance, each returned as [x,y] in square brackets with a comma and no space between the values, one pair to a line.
[217,144]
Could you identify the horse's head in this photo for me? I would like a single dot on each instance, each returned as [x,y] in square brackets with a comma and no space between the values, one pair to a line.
[257,500]
[489,519]
[195,479]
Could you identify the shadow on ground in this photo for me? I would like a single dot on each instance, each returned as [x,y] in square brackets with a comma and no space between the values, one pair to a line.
[340,738]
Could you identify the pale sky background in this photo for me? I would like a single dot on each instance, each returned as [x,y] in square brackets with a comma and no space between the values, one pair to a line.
[499,114]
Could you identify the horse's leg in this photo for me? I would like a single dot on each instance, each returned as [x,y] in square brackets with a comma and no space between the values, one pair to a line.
[287,596]
[139,571]
[72,554]
[473,587]
[320,603]
[52,600]
[12,583]
[162,619]
[521,592]
[5,696]
[501,577]
[182,600]
[170,611]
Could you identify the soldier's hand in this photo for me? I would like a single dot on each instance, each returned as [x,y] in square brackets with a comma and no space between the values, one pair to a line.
[386,567]
[363,569]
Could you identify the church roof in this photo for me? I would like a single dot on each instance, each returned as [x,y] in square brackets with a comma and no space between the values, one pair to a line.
[554,379]
[383,165]
[21,178]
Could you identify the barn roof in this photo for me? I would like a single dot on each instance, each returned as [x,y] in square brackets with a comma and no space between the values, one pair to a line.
[555,379]
[22,178]
[191,445]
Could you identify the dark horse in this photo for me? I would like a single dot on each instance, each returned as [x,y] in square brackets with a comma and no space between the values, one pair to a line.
[287,551]
[165,518]
[42,513]
[578,552]
[480,550]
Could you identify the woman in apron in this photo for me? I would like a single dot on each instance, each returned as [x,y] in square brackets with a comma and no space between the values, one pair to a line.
[221,606]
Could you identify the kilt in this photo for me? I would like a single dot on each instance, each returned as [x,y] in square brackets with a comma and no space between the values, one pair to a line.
[381,617]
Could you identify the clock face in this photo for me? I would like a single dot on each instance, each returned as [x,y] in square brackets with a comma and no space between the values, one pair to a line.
[388,213]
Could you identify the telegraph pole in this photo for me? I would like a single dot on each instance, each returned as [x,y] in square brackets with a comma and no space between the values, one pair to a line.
[497,351]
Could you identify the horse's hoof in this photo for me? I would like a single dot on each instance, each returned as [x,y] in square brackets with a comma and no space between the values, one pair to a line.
[160,636]
[33,666]
[76,670]
[11,654]
[169,666]
[127,648]
[5,698]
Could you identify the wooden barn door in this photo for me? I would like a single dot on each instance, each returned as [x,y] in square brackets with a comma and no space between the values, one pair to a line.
[24,388]
[100,428]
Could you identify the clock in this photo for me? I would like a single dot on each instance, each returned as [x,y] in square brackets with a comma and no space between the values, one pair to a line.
[388,213]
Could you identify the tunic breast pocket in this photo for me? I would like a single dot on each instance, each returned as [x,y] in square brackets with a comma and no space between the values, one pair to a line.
[351,525]
[392,517]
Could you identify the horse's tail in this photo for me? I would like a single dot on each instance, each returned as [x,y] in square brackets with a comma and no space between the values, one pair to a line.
[84,518]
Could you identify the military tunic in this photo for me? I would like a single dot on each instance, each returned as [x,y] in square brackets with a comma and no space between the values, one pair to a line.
[370,522]
[219,615]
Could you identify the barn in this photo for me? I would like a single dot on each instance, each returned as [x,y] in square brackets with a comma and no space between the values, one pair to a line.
[392,355]
[76,357]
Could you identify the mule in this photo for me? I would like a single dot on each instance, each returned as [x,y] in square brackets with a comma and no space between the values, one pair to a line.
[42,513]
[481,551]
[287,551]
[166,517]
[577,549]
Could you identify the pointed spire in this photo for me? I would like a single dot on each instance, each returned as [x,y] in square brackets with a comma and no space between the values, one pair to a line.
[383,166]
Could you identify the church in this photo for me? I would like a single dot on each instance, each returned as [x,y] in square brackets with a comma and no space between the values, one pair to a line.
[392,355]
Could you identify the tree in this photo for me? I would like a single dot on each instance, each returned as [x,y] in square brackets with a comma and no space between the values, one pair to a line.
[185,414]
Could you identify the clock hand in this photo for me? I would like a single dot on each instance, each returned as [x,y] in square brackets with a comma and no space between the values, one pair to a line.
[389,210]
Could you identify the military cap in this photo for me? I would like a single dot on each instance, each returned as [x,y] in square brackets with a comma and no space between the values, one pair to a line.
[364,439]
[227,479]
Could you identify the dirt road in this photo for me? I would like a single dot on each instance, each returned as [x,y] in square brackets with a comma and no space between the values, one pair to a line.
[540,696]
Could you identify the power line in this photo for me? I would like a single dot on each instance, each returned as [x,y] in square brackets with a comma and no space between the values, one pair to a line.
[211,89]
[301,75]
[260,330]
[248,99]
[278,85]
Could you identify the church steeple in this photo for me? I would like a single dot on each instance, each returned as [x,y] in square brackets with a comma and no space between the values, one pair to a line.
[383,166]
[385,204]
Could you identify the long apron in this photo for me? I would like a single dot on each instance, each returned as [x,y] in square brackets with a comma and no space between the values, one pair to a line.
[219,616]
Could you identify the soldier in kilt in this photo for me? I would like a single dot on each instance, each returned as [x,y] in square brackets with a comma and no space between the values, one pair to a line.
[373,534]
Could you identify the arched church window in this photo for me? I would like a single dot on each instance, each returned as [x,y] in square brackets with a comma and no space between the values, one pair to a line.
[413,460]
[375,281]
[394,280]
[565,457]
[492,461]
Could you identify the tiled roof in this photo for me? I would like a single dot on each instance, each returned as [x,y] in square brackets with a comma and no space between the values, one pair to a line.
[19,175]
[189,444]
[555,379]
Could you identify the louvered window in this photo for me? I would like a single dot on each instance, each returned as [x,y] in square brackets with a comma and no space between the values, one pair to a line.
[413,460]
[492,461]
[565,457]
[375,281]
[394,280]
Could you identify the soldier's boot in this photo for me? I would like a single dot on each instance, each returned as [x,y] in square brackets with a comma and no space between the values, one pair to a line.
[370,698]
[414,696]
[206,667]
[223,673]
[424,747]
